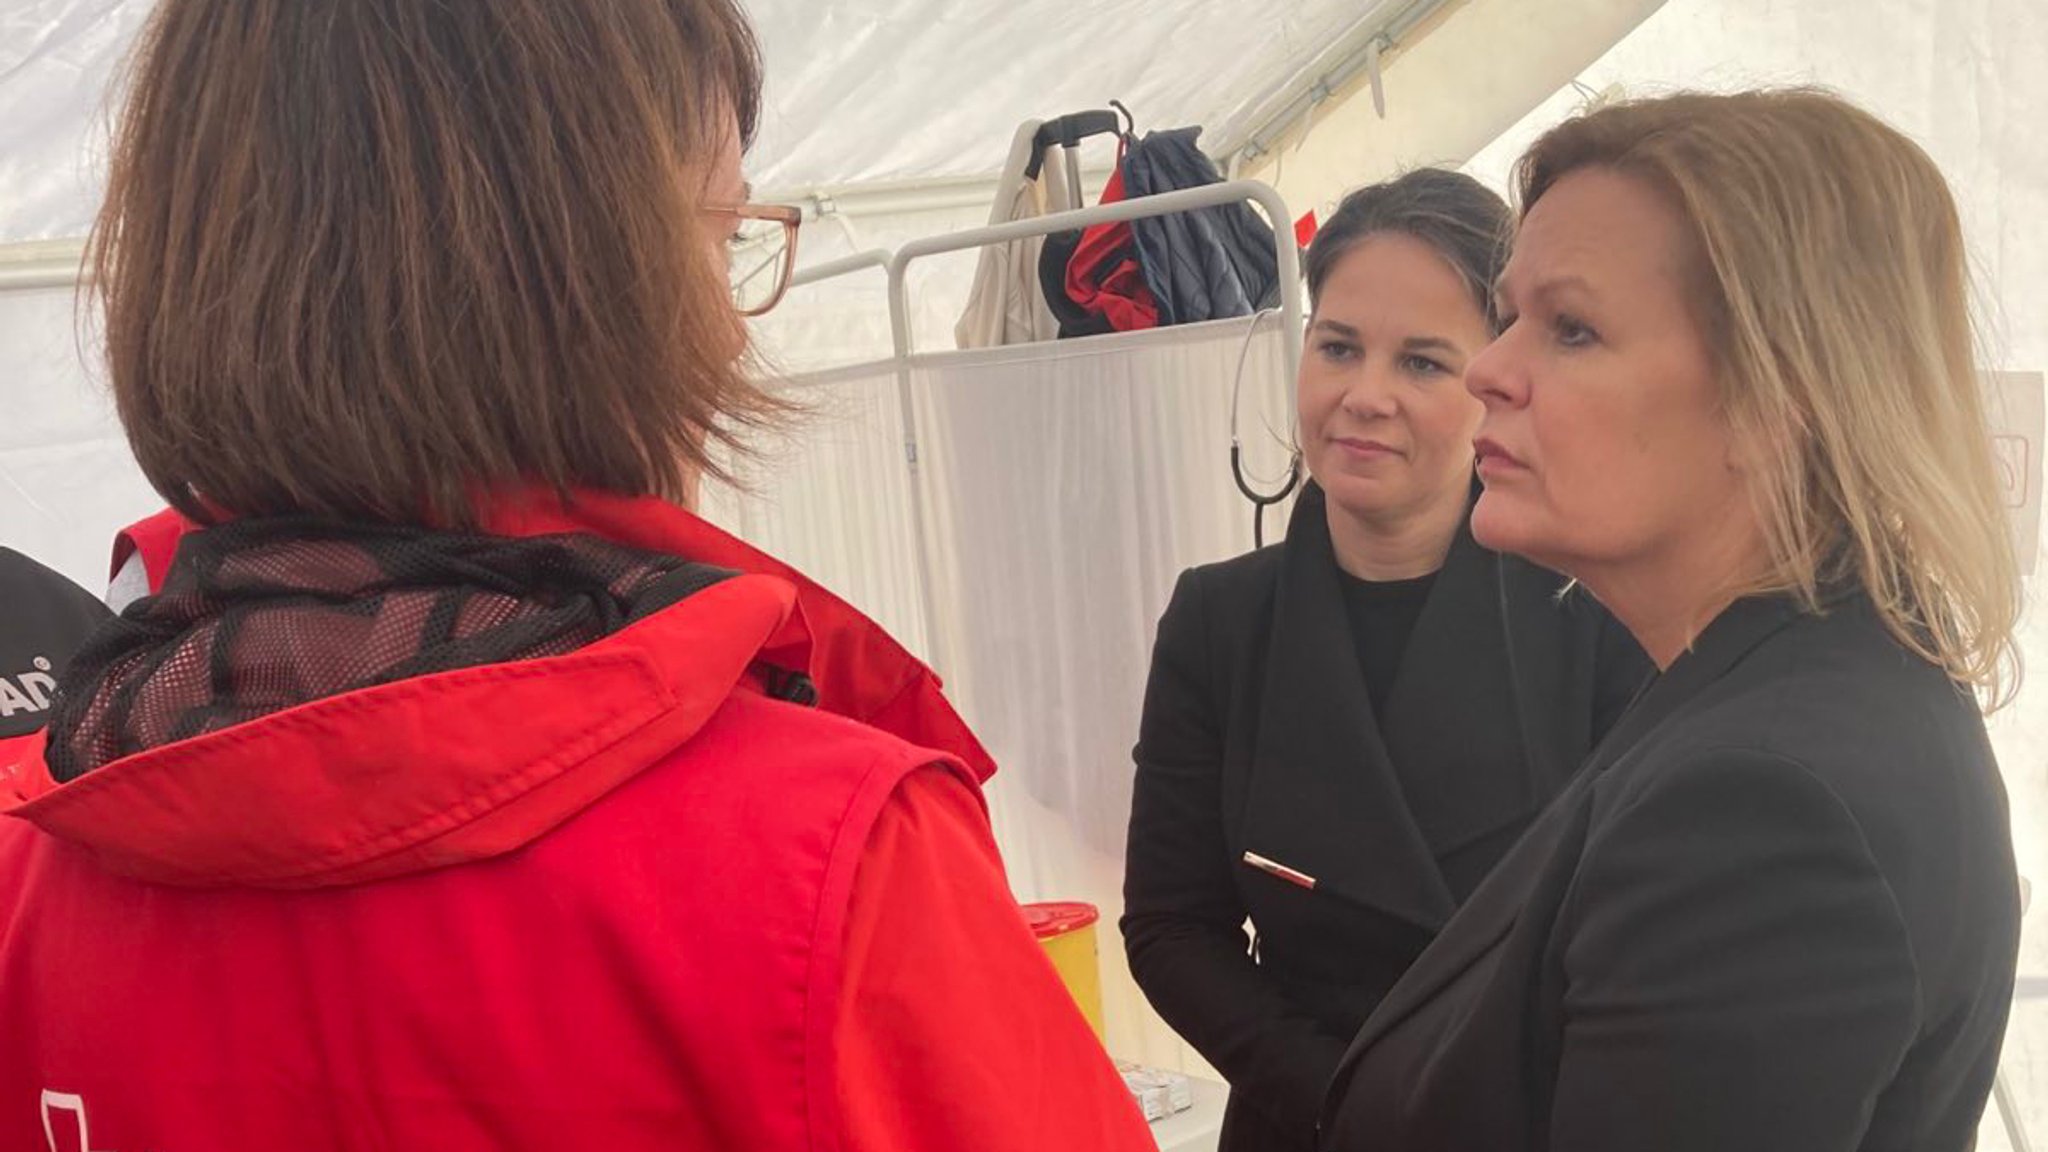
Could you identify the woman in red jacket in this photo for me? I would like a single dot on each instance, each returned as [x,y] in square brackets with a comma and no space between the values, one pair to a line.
[460,789]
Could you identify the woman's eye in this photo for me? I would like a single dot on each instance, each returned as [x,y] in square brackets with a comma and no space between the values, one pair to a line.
[1573,334]
[1336,350]
[1422,366]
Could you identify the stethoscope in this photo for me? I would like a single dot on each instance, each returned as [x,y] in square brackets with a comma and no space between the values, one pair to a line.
[1260,500]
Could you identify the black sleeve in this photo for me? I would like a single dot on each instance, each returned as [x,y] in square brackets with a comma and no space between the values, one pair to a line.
[1183,923]
[1737,972]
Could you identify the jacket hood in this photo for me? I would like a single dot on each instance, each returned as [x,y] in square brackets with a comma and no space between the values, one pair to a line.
[466,764]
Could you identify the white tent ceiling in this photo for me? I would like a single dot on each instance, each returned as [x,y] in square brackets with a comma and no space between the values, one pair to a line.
[56,57]
[859,92]
[864,91]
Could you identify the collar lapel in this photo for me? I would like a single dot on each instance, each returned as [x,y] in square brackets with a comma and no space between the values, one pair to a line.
[1486,917]
[1733,635]
[1495,907]
[1324,803]
[1475,712]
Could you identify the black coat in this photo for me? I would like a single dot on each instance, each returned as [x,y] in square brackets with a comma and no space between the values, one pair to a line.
[1258,736]
[44,618]
[1778,913]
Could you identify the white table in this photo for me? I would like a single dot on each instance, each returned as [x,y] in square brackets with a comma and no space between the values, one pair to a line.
[1198,1128]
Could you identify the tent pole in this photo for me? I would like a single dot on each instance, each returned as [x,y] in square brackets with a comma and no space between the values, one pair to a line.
[42,264]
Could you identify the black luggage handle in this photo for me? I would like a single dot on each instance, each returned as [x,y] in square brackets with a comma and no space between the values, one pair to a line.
[1067,132]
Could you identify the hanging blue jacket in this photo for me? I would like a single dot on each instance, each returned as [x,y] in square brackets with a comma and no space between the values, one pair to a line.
[1206,264]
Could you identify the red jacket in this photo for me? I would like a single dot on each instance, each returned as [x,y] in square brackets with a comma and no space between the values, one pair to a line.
[155,541]
[1103,275]
[615,899]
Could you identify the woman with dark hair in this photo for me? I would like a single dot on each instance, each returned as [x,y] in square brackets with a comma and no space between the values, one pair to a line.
[460,789]
[1343,732]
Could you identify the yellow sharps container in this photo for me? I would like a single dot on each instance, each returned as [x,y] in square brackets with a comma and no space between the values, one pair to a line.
[1067,931]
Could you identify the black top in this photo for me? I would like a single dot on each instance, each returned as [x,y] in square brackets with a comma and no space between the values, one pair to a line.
[1382,615]
[43,620]
[1777,912]
[1259,735]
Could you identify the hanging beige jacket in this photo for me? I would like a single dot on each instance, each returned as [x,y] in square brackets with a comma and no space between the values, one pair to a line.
[1006,305]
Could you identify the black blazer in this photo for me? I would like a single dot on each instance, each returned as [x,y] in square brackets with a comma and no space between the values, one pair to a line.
[1777,912]
[1258,736]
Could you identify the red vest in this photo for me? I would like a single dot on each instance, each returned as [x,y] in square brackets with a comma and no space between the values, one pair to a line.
[659,972]
[590,901]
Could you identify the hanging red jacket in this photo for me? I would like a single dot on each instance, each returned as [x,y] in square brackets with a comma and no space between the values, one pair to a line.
[617,898]
[1103,275]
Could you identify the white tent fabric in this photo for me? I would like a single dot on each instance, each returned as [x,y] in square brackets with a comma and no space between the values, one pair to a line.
[56,60]
[1069,485]
[67,481]
[875,91]
[895,70]
[831,495]
[1446,94]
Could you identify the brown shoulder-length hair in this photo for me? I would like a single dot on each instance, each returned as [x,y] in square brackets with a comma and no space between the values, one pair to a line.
[365,258]
[1831,278]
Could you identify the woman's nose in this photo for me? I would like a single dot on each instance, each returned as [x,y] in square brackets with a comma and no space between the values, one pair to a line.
[1493,376]
[1372,393]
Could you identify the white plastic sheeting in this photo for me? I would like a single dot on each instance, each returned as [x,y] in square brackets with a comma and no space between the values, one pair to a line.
[1068,485]
[919,89]
[56,58]
[67,481]
[874,91]
[1448,93]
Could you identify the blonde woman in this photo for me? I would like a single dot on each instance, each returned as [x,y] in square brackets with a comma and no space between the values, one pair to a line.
[1735,399]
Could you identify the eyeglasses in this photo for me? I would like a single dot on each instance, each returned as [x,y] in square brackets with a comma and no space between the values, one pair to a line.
[761,252]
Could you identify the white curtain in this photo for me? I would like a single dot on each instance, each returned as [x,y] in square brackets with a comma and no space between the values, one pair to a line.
[1067,485]
[832,496]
